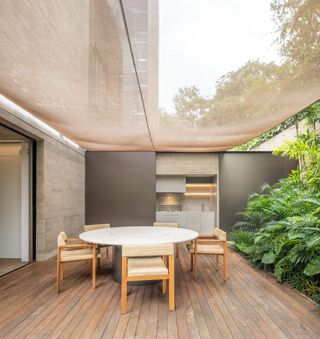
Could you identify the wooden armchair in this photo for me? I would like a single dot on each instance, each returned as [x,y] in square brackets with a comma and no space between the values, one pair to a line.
[169,224]
[147,262]
[212,244]
[73,249]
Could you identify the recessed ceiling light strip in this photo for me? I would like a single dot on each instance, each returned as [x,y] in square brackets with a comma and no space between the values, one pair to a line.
[29,118]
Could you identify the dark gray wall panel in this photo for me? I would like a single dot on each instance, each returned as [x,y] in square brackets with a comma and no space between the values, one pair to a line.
[120,188]
[242,174]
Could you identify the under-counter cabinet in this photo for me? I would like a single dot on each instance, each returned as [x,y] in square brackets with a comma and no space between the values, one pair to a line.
[202,222]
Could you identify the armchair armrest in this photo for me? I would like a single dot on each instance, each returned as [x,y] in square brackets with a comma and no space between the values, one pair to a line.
[74,240]
[84,245]
[204,236]
[209,240]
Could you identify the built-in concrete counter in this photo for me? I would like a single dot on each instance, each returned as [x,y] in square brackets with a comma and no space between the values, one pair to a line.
[201,222]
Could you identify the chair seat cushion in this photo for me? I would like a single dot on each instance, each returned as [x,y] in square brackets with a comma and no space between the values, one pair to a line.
[205,249]
[138,267]
[74,255]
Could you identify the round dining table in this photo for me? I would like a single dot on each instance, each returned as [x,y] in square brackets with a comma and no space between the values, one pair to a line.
[135,235]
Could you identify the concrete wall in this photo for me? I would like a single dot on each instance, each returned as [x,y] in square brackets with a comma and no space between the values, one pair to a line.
[60,195]
[289,134]
[187,163]
[60,189]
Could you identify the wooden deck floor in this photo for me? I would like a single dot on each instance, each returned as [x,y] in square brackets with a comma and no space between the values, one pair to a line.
[250,305]
[9,265]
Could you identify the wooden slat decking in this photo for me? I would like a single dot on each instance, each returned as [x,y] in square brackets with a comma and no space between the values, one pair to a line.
[9,265]
[250,305]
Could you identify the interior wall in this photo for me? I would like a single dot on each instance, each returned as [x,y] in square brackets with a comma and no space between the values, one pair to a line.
[10,201]
[120,188]
[242,174]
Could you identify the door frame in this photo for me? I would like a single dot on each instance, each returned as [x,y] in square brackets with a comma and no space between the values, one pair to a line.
[28,194]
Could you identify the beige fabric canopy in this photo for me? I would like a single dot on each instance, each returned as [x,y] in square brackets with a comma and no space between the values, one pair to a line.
[89,68]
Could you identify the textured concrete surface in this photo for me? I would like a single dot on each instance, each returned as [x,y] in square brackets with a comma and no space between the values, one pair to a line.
[187,164]
[60,199]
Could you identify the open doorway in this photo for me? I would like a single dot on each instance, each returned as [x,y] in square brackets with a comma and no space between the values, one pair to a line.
[15,200]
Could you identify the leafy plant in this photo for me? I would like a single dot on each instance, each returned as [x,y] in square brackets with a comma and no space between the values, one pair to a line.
[280,230]
[242,237]
[311,115]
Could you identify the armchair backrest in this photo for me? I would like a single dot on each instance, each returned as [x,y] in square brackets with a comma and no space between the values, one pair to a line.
[220,234]
[62,237]
[147,250]
[93,227]
[166,224]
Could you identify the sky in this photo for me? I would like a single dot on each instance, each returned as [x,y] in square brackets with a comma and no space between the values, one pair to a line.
[201,40]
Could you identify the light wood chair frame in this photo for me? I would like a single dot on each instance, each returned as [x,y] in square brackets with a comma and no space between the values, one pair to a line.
[210,239]
[74,243]
[169,224]
[165,278]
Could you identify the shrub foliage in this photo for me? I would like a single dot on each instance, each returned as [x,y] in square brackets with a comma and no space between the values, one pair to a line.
[280,230]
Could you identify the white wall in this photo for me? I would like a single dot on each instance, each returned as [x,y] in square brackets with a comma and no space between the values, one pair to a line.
[10,205]
[290,134]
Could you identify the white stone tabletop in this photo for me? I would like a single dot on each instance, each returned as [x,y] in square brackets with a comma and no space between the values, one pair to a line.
[138,235]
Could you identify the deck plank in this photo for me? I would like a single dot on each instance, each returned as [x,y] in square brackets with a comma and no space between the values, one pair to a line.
[251,304]
[203,296]
[274,302]
[153,313]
